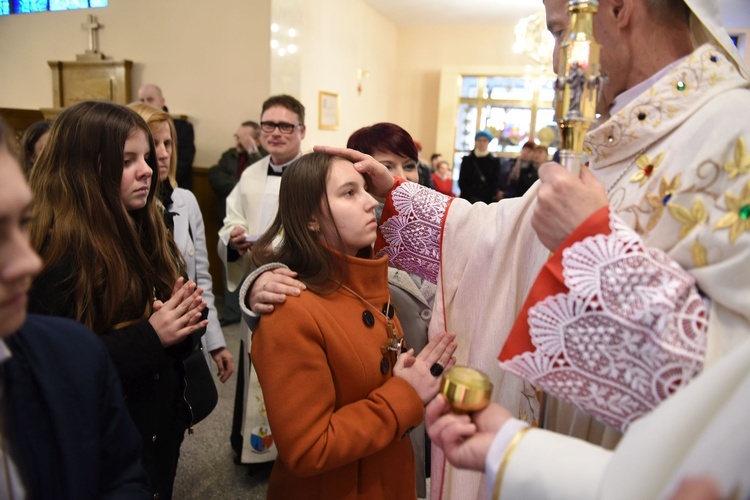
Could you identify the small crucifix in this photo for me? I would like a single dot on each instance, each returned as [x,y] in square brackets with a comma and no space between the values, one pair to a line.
[92,25]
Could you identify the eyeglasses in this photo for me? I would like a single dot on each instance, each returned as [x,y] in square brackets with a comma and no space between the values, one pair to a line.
[284,127]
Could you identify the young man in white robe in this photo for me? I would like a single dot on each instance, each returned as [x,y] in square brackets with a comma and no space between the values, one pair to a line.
[251,207]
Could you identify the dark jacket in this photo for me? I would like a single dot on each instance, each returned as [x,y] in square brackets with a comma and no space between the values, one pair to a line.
[185,152]
[152,377]
[479,179]
[71,435]
[222,177]
[526,178]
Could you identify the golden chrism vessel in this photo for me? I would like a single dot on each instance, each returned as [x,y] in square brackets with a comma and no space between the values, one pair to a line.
[467,390]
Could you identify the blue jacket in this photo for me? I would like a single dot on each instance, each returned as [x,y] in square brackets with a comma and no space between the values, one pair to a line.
[71,434]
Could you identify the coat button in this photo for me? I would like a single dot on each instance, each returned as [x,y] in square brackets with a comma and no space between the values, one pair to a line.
[157,496]
[425,314]
[388,309]
[368,318]
[156,377]
[191,251]
[153,438]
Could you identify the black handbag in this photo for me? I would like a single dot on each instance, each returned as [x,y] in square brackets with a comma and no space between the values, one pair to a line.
[200,391]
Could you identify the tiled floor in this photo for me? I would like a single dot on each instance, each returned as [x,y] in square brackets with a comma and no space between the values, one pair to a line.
[207,469]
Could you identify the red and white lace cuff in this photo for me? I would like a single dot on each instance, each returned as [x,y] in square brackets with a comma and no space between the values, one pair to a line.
[629,331]
[411,229]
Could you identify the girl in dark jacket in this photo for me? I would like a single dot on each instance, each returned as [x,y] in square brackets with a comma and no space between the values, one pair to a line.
[110,264]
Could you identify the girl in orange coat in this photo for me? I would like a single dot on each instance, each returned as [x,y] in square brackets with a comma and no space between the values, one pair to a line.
[340,394]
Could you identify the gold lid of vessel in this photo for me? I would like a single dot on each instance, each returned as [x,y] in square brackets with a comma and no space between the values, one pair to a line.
[468,390]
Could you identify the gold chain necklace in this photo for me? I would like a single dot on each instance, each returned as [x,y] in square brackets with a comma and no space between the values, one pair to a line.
[395,344]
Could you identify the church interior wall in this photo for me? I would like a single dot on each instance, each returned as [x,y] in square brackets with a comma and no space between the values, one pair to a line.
[424,52]
[207,69]
[219,72]
[353,54]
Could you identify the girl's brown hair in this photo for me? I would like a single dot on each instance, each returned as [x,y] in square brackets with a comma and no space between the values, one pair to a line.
[291,239]
[120,259]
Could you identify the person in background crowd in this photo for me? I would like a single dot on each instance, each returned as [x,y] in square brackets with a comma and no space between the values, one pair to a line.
[222,178]
[183,218]
[425,177]
[33,140]
[434,160]
[152,95]
[479,178]
[442,179]
[524,171]
[251,206]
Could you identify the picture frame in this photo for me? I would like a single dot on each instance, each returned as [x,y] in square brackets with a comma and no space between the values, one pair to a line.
[328,110]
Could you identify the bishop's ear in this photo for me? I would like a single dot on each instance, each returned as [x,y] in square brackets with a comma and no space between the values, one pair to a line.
[620,11]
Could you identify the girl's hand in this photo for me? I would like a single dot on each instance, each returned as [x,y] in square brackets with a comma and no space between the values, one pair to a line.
[417,370]
[180,316]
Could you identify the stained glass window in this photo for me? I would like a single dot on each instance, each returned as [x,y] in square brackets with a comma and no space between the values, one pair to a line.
[27,6]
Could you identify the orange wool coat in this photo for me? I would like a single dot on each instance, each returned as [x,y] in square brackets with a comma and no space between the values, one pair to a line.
[339,424]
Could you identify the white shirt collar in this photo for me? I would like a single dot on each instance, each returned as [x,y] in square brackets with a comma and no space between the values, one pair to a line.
[280,168]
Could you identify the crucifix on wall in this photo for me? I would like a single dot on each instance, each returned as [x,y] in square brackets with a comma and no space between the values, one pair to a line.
[92,52]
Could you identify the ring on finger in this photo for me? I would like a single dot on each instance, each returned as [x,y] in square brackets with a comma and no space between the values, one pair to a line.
[436,369]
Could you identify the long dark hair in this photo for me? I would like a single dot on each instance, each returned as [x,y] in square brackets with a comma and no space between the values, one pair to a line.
[125,257]
[291,240]
[28,142]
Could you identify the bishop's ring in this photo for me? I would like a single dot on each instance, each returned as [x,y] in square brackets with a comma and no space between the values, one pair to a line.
[436,369]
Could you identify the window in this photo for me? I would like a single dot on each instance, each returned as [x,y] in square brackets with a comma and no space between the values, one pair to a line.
[26,6]
[513,108]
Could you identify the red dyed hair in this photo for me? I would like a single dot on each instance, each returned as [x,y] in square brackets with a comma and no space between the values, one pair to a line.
[386,138]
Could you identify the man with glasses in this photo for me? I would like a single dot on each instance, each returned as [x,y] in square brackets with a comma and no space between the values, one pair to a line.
[251,207]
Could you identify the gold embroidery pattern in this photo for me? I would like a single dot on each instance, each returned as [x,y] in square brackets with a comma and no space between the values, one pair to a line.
[646,168]
[688,218]
[740,164]
[699,253]
[737,218]
[659,201]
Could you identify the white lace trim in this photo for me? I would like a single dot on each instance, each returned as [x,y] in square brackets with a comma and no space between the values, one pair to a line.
[412,235]
[629,333]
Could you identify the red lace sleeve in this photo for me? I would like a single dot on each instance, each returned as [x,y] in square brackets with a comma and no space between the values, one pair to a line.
[611,326]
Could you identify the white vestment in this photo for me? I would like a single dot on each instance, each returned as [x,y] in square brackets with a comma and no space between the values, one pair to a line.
[676,166]
[700,432]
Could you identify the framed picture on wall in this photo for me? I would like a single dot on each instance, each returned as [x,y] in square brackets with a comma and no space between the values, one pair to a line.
[328,111]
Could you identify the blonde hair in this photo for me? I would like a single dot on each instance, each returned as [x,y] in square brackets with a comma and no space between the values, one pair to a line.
[154,118]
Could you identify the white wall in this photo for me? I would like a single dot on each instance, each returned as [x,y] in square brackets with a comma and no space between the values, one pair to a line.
[212,66]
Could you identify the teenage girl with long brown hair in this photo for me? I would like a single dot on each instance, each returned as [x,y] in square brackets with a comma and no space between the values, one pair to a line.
[110,263]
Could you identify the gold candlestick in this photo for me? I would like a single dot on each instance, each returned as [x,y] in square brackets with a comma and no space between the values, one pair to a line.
[467,390]
[578,82]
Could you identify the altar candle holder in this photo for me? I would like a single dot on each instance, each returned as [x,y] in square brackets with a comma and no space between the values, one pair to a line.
[467,390]
[578,82]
